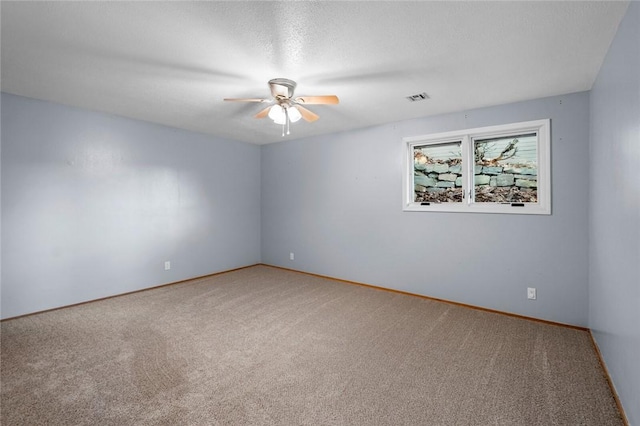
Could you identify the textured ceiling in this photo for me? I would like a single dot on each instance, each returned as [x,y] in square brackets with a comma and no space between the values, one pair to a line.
[173,62]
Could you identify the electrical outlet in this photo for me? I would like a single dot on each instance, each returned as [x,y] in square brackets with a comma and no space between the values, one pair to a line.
[291,256]
[167,265]
[531,293]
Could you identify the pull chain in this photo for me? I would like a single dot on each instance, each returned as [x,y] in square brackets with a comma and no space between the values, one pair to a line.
[286,121]
[286,112]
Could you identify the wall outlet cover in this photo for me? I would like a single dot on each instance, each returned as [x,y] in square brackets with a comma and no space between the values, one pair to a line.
[531,293]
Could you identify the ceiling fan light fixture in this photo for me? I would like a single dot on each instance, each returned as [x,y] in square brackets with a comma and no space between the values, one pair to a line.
[294,114]
[277,114]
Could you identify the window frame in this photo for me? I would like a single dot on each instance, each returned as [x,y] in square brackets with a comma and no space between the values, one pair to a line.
[467,137]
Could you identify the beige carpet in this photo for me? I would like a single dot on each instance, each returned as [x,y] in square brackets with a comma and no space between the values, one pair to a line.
[266,346]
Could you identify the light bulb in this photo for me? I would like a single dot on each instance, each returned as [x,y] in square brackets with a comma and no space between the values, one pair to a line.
[294,114]
[276,113]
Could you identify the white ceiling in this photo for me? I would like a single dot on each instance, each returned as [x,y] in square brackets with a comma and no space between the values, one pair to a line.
[173,62]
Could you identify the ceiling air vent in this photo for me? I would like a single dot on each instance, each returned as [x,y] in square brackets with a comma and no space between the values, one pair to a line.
[419,97]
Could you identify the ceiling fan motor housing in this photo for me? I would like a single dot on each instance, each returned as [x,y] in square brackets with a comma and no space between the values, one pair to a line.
[282,87]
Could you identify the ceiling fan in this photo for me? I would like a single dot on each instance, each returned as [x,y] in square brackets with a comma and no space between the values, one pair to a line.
[284,108]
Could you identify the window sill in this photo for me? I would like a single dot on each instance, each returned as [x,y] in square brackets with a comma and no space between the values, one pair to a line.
[515,208]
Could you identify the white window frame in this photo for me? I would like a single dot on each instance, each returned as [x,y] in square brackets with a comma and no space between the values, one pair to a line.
[543,206]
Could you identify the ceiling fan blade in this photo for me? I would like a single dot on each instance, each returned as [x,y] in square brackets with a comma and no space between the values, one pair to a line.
[246,100]
[263,113]
[318,100]
[306,114]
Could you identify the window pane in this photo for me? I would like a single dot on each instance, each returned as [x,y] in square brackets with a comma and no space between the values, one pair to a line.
[506,169]
[437,173]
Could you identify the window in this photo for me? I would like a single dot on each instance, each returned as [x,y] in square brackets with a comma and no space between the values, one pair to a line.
[497,169]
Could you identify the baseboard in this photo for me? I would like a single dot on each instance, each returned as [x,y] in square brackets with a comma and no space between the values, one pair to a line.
[480,308]
[129,292]
[495,311]
[422,296]
[596,348]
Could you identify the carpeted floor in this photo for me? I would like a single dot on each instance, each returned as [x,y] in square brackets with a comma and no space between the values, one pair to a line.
[266,346]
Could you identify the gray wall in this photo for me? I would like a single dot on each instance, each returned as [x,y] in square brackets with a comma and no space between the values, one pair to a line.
[92,205]
[336,202]
[614,227]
